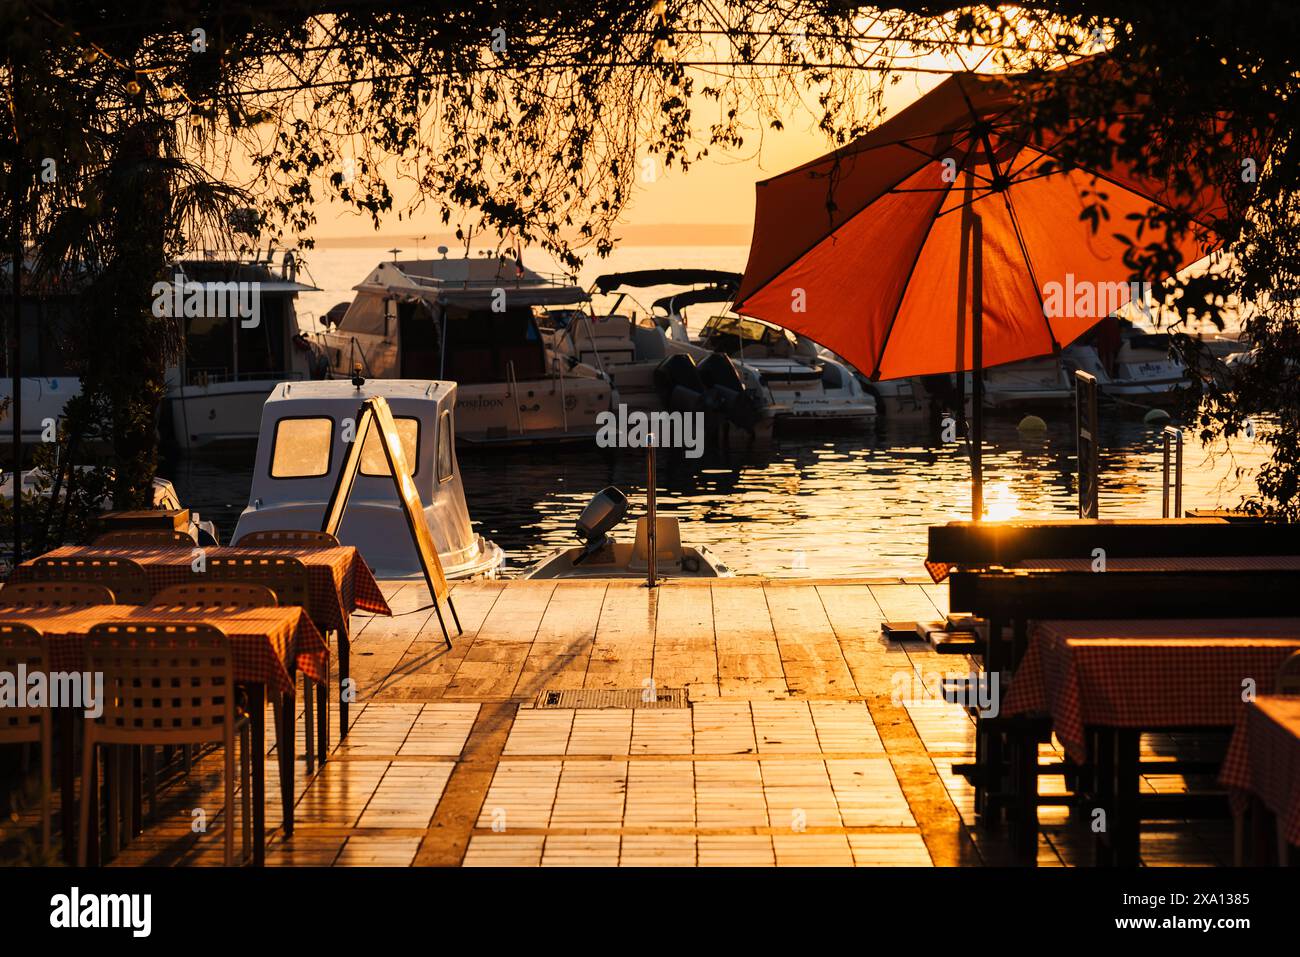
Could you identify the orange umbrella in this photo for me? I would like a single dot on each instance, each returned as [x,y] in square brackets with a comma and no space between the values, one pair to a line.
[865,250]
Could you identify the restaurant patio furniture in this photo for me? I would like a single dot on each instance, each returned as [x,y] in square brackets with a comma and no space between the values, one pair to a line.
[1009,600]
[22,645]
[123,576]
[270,645]
[281,537]
[1106,682]
[60,594]
[126,537]
[166,683]
[1262,773]
[339,581]
[287,579]
[218,594]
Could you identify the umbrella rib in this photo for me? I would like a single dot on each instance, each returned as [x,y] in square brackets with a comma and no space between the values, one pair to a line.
[1129,189]
[806,250]
[1029,264]
[920,249]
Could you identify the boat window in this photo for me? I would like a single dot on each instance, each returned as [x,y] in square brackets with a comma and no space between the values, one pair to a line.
[260,348]
[302,448]
[209,341]
[372,453]
[446,461]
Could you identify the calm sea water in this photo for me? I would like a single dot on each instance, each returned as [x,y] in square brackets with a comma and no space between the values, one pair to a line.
[815,505]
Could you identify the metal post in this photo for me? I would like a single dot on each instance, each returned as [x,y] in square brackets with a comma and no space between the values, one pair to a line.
[16,356]
[652,519]
[977,372]
[1171,436]
[1085,440]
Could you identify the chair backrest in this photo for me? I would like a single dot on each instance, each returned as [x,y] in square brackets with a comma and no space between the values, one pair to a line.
[1288,676]
[55,594]
[284,575]
[22,645]
[125,577]
[129,537]
[287,537]
[210,594]
[164,682]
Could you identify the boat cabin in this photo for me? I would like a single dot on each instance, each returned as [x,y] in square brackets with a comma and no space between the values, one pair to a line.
[306,427]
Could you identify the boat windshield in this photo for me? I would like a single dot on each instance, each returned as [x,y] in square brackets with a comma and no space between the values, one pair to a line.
[733,333]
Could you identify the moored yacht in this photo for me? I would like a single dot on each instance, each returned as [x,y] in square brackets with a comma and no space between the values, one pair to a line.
[1144,369]
[802,384]
[304,431]
[233,358]
[655,368]
[473,321]
[238,333]
[807,387]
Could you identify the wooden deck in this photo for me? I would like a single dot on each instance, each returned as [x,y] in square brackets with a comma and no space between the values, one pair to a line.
[807,739]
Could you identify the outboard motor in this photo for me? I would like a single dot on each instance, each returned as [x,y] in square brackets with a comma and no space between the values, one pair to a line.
[740,407]
[713,387]
[678,382]
[606,509]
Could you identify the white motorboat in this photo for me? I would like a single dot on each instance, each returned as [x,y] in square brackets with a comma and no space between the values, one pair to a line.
[475,322]
[656,370]
[1145,369]
[305,427]
[807,387]
[601,556]
[229,362]
[1027,386]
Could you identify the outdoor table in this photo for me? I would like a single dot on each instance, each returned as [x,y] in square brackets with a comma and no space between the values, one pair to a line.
[1263,762]
[339,582]
[268,646]
[1122,677]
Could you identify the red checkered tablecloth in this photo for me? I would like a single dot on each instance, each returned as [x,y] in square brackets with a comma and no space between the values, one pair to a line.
[1264,760]
[264,641]
[1146,674]
[340,582]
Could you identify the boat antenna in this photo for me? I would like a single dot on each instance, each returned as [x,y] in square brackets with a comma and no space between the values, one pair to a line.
[394,251]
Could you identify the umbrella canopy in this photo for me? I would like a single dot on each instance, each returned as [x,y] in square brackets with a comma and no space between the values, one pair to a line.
[861,250]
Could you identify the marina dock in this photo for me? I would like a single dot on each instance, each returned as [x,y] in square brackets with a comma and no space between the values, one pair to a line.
[780,738]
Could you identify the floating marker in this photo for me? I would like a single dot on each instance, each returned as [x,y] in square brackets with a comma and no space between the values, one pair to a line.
[1156,417]
[1031,423]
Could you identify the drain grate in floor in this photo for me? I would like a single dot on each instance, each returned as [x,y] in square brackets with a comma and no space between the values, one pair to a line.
[613,698]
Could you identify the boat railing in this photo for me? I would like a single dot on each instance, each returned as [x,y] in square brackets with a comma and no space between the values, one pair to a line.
[339,342]
[503,281]
[1172,440]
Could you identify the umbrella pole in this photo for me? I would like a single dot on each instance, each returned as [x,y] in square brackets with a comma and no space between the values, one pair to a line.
[977,364]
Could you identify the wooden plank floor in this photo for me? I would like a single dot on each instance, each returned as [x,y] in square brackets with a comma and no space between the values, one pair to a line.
[807,740]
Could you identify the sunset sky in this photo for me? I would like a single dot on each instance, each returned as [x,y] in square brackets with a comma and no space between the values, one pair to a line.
[717,193]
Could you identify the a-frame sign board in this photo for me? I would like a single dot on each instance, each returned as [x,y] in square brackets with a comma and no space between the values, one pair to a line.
[375,414]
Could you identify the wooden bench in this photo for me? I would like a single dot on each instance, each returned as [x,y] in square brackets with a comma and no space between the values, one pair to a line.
[984,544]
